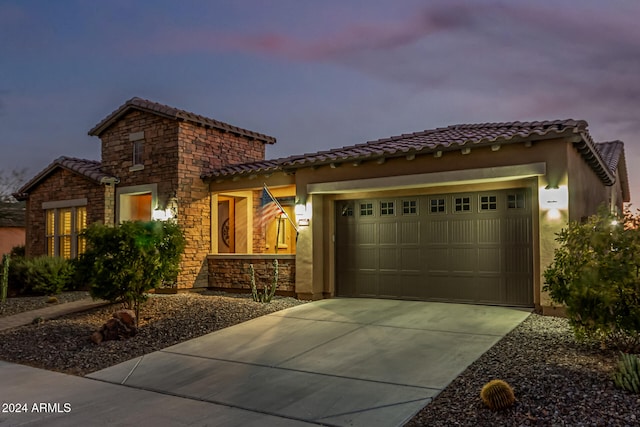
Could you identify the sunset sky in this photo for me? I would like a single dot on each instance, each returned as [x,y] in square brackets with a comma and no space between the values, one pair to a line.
[315,74]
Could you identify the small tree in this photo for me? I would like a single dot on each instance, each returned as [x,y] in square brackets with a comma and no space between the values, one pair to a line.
[596,275]
[123,263]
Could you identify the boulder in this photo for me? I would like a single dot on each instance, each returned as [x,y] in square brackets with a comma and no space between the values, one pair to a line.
[120,327]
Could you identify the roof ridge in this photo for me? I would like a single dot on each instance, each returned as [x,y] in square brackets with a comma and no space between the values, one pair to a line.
[175,114]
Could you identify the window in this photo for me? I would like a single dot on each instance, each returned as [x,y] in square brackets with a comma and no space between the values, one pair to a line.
[488,203]
[138,150]
[462,204]
[409,207]
[386,208]
[437,205]
[515,201]
[366,209]
[347,210]
[63,226]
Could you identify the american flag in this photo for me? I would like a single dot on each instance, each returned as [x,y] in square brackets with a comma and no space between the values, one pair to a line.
[269,208]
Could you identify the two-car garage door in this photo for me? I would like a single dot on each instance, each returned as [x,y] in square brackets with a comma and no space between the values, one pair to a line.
[462,247]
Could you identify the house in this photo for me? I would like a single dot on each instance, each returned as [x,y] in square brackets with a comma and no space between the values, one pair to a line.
[12,226]
[465,213]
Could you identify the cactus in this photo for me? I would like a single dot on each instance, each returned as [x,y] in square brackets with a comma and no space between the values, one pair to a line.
[628,374]
[497,395]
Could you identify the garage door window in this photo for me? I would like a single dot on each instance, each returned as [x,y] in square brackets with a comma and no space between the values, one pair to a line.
[366,209]
[515,201]
[488,203]
[386,208]
[437,206]
[409,207]
[462,204]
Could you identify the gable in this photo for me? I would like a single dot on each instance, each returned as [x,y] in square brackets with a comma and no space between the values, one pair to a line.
[87,169]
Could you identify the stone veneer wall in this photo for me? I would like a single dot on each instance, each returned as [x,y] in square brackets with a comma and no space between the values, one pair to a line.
[200,150]
[231,272]
[59,186]
[176,154]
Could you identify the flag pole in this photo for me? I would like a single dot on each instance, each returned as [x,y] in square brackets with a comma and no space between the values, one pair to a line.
[280,206]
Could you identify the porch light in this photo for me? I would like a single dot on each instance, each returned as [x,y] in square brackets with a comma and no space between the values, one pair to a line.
[302,217]
[554,197]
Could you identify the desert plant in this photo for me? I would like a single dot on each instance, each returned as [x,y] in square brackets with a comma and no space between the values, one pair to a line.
[4,283]
[596,275]
[123,263]
[497,395]
[268,292]
[627,376]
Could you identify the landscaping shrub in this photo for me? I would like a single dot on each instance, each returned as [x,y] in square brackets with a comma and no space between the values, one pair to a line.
[596,275]
[123,263]
[42,275]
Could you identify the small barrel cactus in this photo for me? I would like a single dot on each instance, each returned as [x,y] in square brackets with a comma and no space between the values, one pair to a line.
[627,375]
[497,395]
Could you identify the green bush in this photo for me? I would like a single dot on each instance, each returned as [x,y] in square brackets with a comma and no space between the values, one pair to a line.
[42,275]
[596,275]
[123,263]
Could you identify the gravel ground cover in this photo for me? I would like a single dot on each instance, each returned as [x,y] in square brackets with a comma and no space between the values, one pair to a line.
[17,305]
[63,344]
[557,382]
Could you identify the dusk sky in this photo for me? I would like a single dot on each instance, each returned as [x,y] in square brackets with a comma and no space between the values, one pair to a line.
[315,74]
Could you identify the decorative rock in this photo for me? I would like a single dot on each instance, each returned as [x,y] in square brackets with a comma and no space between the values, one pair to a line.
[96,337]
[120,327]
[128,317]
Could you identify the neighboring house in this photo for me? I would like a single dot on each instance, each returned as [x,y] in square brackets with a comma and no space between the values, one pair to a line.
[466,213]
[12,226]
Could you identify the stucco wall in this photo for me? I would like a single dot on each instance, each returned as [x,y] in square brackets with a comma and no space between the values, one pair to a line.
[587,190]
[11,237]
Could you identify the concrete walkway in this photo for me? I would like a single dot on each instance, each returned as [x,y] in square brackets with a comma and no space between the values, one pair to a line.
[355,362]
[46,313]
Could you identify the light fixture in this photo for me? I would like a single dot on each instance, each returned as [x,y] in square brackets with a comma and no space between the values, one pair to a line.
[302,216]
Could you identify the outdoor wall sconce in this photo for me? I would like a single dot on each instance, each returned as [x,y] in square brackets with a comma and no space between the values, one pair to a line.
[302,217]
[553,199]
[168,212]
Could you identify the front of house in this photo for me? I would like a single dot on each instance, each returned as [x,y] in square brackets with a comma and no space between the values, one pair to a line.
[466,213]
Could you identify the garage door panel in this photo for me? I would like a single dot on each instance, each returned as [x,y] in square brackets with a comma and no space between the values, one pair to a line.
[367,283]
[410,233]
[437,232]
[462,231]
[388,258]
[389,284]
[490,260]
[517,230]
[388,233]
[411,259]
[437,260]
[517,260]
[489,231]
[367,258]
[463,260]
[367,233]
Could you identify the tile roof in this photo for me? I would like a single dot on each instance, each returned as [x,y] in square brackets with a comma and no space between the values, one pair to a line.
[174,114]
[430,141]
[90,169]
[612,153]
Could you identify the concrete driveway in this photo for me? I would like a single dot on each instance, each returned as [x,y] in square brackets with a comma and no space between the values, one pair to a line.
[355,362]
